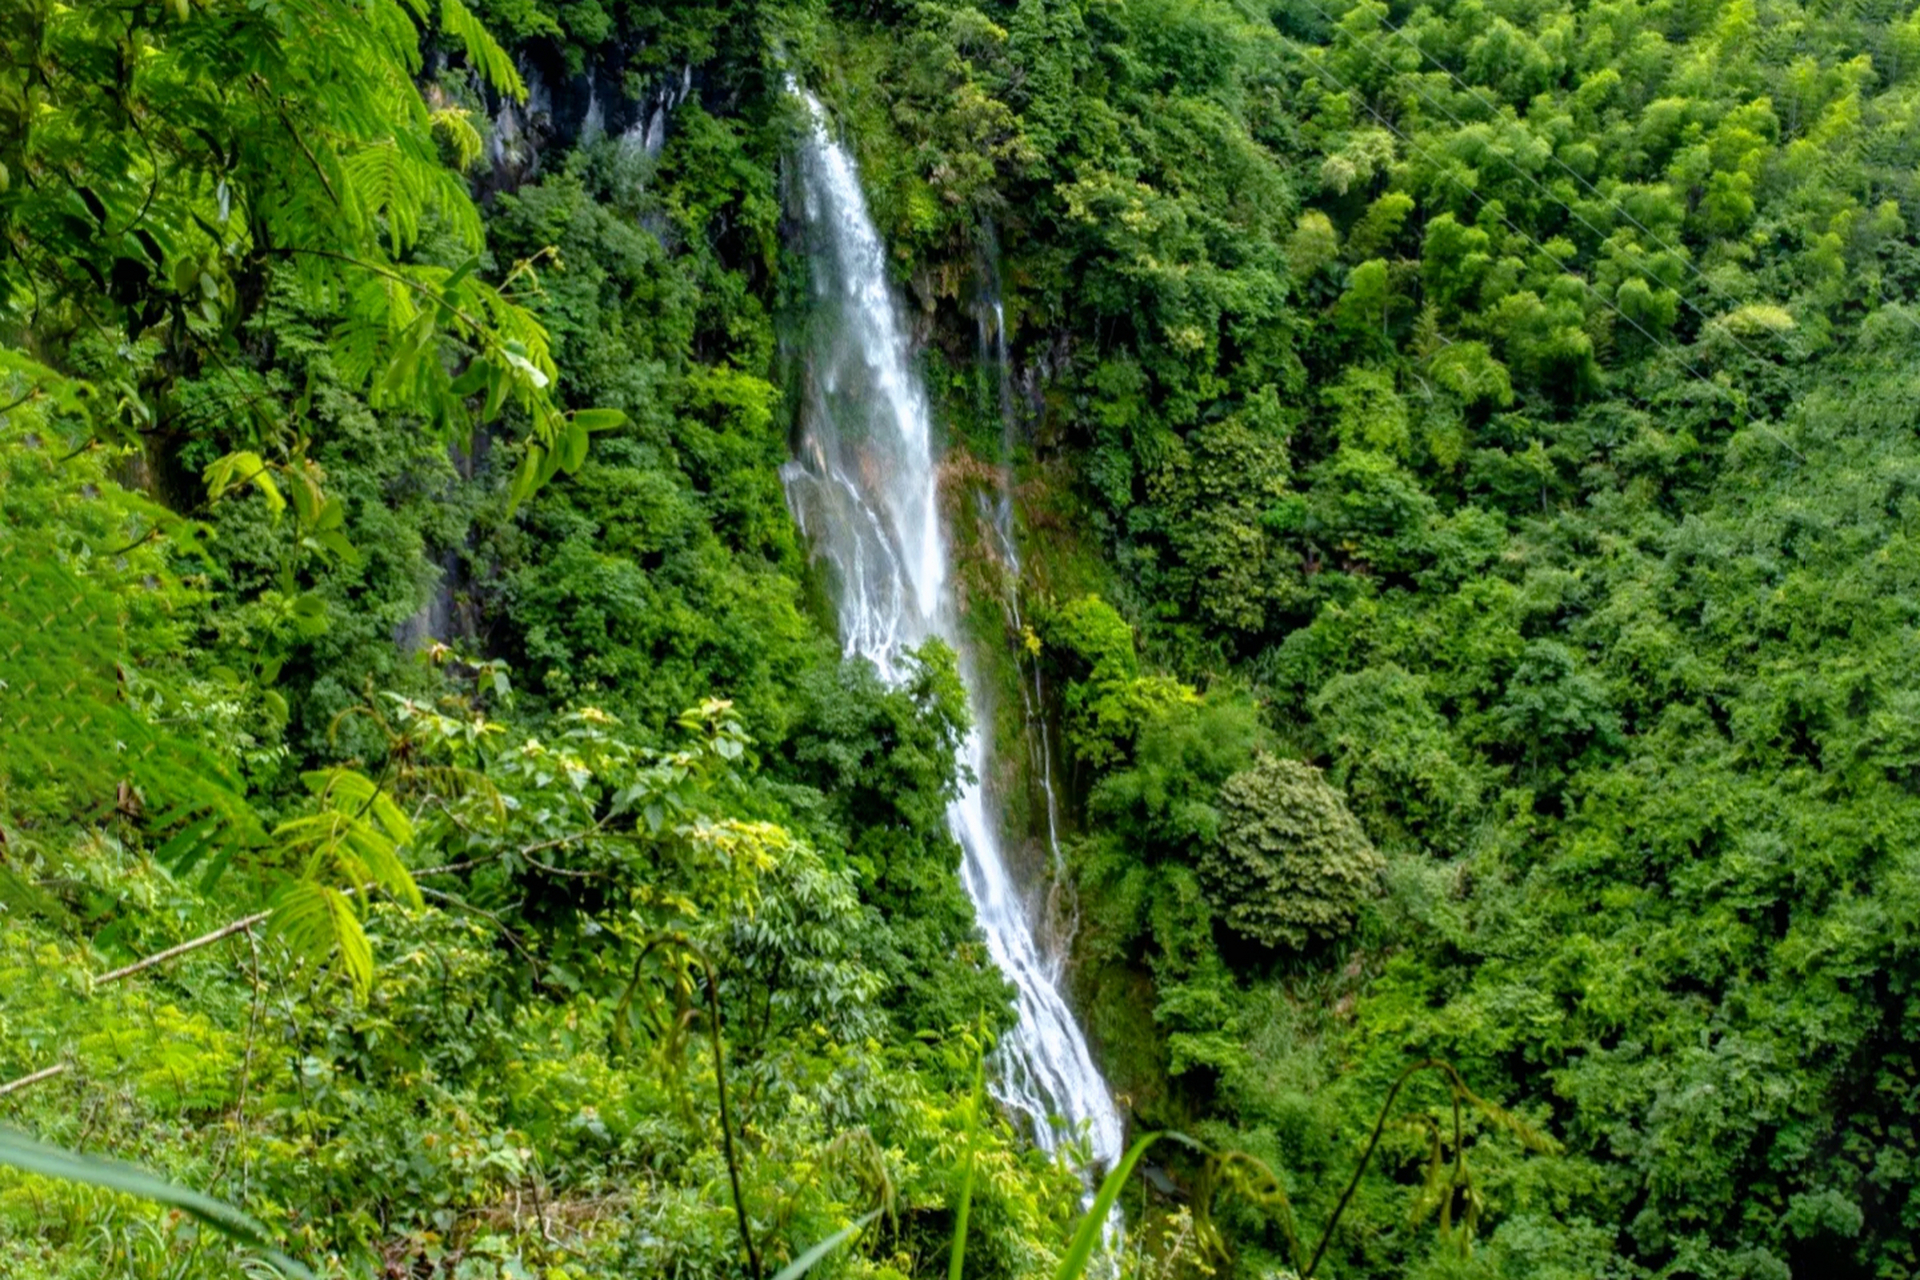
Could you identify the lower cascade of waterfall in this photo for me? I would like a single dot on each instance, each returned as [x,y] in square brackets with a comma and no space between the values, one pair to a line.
[863,489]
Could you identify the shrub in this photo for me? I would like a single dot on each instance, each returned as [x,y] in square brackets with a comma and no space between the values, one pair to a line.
[1291,866]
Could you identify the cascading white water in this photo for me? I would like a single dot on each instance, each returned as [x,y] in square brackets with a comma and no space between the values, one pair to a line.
[1061,916]
[863,489]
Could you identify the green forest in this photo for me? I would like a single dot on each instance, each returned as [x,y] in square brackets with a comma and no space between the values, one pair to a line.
[1440,651]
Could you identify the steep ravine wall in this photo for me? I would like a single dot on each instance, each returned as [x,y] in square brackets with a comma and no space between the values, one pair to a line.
[992,427]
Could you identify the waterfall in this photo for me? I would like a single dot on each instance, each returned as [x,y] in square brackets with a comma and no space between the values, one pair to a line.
[1061,917]
[863,489]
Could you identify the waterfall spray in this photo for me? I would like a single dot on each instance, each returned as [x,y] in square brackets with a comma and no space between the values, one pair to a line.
[863,490]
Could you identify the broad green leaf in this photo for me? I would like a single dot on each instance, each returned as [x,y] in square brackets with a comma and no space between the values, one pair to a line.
[526,477]
[956,1261]
[600,419]
[472,380]
[572,448]
[187,846]
[224,474]
[807,1261]
[336,542]
[1073,1264]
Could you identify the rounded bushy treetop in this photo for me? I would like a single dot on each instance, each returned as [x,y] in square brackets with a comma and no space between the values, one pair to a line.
[1291,866]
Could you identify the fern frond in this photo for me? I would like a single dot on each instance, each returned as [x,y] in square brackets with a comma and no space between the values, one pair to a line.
[488,58]
[455,782]
[1519,1129]
[352,792]
[357,834]
[456,209]
[73,708]
[391,29]
[380,864]
[456,126]
[316,920]
[388,183]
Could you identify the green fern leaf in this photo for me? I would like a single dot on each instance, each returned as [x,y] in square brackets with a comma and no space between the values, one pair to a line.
[387,184]
[483,50]
[316,920]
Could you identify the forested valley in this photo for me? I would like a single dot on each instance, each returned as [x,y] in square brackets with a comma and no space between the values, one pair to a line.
[1419,593]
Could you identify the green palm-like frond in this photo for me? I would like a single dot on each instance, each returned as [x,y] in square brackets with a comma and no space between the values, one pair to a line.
[483,50]
[389,184]
[316,921]
[357,835]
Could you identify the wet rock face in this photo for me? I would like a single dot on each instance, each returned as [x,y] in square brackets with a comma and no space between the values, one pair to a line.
[560,111]
[446,615]
[563,111]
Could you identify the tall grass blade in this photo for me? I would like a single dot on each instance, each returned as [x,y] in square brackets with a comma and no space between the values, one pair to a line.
[33,1156]
[957,1261]
[1074,1265]
[805,1262]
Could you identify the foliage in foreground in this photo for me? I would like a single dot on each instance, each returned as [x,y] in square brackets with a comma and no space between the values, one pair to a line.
[531,1081]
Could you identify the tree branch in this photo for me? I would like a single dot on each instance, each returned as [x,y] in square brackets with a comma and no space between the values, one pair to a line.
[194,944]
[44,1073]
[228,930]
